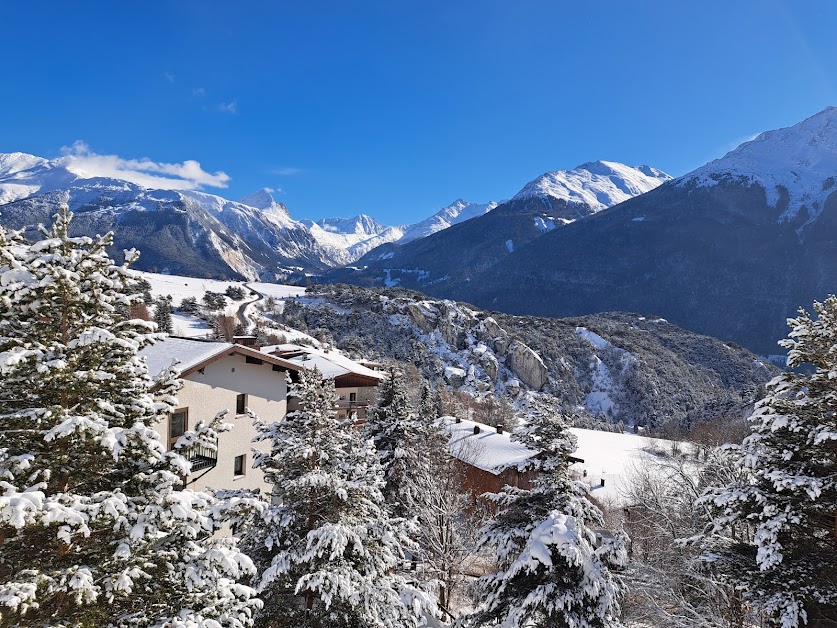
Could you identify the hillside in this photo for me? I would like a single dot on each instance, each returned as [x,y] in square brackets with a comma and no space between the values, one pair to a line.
[614,366]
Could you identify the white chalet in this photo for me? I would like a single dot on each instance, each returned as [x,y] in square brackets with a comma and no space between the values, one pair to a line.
[221,376]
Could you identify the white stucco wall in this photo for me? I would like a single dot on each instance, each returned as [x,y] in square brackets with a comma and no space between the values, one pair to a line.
[205,394]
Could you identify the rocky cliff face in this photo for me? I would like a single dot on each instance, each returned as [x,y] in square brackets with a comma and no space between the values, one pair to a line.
[617,366]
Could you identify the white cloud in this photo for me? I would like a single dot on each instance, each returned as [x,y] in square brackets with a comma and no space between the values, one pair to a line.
[284,171]
[198,92]
[228,107]
[169,77]
[188,175]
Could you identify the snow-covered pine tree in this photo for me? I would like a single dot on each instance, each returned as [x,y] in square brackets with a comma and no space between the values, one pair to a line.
[398,435]
[162,315]
[550,571]
[93,528]
[428,406]
[786,562]
[328,549]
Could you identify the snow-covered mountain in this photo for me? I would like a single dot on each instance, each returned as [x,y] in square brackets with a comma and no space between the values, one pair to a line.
[460,250]
[731,249]
[458,211]
[349,239]
[249,238]
[344,240]
[796,166]
[597,184]
[274,210]
[178,231]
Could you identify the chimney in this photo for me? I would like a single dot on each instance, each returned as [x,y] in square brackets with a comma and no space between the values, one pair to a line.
[602,484]
[457,420]
[476,429]
[500,428]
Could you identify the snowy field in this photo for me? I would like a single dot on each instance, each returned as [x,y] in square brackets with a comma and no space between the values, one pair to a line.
[612,457]
[182,287]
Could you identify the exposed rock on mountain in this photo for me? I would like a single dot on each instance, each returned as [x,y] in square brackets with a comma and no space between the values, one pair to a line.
[613,366]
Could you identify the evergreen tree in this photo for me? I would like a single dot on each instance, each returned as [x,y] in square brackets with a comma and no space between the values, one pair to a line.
[427,404]
[775,536]
[399,436]
[550,572]
[94,529]
[189,305]
[328,548]
[162,315]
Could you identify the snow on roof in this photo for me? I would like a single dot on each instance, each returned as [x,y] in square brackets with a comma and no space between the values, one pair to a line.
[608,456]
[185,352]
[330,363]
[487,450]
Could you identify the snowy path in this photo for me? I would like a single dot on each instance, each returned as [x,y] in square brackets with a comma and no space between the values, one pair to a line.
[245,321]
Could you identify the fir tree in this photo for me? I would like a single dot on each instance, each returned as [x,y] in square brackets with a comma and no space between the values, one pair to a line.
[775,537]
[550,572]
[162,315]
[94,530]
[398,435]
[329,549]
[427,404]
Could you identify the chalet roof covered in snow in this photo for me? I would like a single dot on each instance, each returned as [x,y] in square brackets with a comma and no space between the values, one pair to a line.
[186,354]
[608,456]
[331,364]
[486,450]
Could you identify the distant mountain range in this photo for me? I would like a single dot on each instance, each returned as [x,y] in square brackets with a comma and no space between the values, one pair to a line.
[731,249]
[439,262]
[190,232]
[201,234]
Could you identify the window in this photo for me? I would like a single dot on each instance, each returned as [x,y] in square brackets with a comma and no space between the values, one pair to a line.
[239,466]
[352,397]
[178,424]
[251,360]
[241,404]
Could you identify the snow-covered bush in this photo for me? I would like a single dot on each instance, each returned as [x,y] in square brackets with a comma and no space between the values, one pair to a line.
[94,528]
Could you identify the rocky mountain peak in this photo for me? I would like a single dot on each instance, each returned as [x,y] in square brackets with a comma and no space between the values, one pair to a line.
[265,201]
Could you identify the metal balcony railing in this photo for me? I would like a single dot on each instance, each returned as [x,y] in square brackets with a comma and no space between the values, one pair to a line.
[202,457]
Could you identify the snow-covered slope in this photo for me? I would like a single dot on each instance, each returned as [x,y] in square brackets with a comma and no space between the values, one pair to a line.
[598,184]
[456,212]
[800,161]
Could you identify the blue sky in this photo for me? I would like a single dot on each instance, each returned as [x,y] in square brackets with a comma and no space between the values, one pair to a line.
[395,109]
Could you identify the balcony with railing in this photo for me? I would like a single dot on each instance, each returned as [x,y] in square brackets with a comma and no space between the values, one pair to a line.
[202,457]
